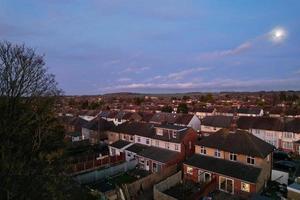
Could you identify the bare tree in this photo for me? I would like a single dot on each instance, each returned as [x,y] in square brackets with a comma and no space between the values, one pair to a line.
[31,139]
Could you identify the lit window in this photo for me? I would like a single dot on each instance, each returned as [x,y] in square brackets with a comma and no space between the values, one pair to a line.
[159,131]
[232,156]
[250,160]
[217,153]
[202,150]
[245,187]
[189,170]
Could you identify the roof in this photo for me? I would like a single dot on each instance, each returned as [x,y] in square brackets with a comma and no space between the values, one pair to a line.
[158,154]
[146,116]
[98,124]
[204,109]
[217,121]
[264,123]
[225,167]
[163,117]
[169,137]
[245,110]
[270,123]
[134,128]
[184,119]
[240,142]
[137,148]
[170,126]
[120,144]
[292,125]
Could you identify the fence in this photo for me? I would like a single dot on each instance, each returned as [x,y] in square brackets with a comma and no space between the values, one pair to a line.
[131,190]
[165,185]
[90,164]
[96,175]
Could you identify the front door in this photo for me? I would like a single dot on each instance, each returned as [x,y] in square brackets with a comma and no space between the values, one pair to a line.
[147,167]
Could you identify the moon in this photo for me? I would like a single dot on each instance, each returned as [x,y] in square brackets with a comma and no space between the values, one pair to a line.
[278,35]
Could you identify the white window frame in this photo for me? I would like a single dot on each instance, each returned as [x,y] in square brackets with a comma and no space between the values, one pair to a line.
[251,158]
[176,147]
[226,184]
[217,153]
[203,150]
[232,155]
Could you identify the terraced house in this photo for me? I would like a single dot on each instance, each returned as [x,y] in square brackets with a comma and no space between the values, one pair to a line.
[283,133]
[234,162]
[154,146]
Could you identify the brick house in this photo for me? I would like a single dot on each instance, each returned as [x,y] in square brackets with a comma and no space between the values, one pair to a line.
[236,162]
[156,147]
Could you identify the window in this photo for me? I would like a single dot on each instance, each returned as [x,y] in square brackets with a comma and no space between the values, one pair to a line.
[174,134]
[287,145]
[288,135]
[226,184]
[189,170]
[159,131]
[232,156]
[217,153]
[124,137]
[139,139]
[113,151]
[167,145]
[147,141]
[250,160]
[202,150]
[245,187]
[131,138]
[156,143]
[176,146]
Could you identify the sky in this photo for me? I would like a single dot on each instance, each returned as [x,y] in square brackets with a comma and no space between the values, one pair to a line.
[158,46]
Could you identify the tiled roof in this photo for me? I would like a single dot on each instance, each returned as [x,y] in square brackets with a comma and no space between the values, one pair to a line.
[217,121]
[240,142]
[120,144]
[158,154]
[225,167]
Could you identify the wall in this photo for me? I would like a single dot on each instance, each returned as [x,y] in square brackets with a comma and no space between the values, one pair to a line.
[96,175]
[112,137]
[165,185]
[195,123]
[147,182]
[280,176]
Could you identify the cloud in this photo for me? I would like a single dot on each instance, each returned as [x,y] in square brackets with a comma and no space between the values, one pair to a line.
[215,85]
[136,70]
[175,76]
[229,52]
[124,79]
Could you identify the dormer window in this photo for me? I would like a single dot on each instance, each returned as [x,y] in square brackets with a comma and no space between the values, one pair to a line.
[202,150]
[250,160]
[233,157]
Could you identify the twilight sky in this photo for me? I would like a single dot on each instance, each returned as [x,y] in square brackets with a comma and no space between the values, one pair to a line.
[101,46]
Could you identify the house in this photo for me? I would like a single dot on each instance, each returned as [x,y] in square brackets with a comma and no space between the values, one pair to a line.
[268,129]
[234,162]
[280,132]
[204,111]
[154,146]
[252,111]
[225,111]
[122,117]
[212,124]
[88,115]
[179,119]
[95,130]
